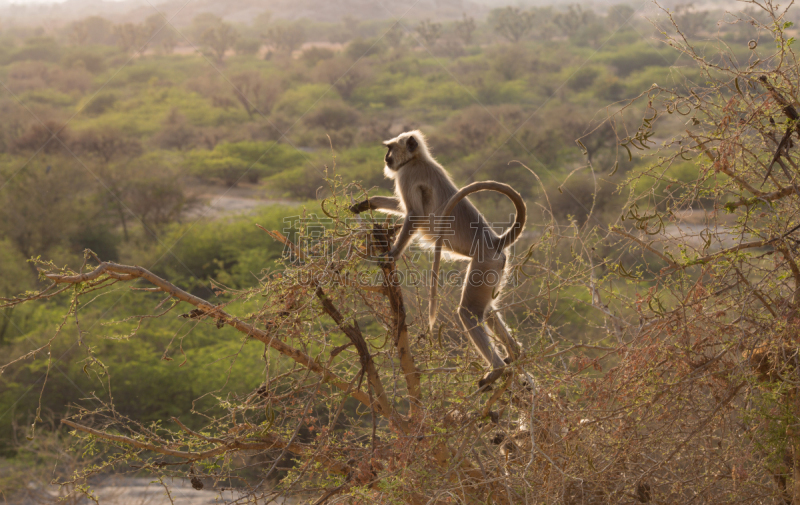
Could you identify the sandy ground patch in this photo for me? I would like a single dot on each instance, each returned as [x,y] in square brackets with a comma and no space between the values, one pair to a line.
[214,202]
[142,491]
[126,490]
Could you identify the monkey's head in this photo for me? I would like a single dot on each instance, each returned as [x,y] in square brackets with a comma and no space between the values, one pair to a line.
[404,148]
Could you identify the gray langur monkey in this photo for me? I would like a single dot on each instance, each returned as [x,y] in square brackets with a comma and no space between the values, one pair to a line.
[437,211]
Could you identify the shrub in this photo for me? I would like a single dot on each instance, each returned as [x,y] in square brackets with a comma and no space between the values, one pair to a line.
[315,54]
[510,62]
[448,95]
[636,56]
[582,78]
[332,116]
[48,137]
[301,182]
[250,161]
[176,132]
[209,165]
[90,60]
[578,196]
[99,103]
[37,49]
[47,96]
[363,48]
[298,101]
[247,46]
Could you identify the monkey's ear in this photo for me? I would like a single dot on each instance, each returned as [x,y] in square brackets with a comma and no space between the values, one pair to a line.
[412,144]
[387,143]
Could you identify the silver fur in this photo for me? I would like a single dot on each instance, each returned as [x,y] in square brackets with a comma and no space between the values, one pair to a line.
[426,196]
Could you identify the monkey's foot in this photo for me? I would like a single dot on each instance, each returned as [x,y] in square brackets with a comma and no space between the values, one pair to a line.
[485,383]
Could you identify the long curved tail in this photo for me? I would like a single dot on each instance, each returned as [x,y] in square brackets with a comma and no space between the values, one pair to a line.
[506,239]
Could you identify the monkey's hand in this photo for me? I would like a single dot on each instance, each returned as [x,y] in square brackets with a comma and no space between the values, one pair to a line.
[360,207]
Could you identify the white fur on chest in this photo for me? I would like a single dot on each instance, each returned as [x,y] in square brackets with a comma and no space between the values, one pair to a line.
[399,178]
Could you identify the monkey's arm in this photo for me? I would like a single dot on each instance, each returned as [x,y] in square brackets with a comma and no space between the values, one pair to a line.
[385,203]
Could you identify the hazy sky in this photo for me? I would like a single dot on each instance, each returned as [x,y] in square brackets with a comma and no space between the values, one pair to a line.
[26,2]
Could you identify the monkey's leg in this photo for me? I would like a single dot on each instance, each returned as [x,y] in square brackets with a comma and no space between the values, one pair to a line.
[404,238]
[501,333]
[513,348]
[475,300]
[495,320]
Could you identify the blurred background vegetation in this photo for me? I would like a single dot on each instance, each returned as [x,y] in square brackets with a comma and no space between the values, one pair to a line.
[161,138]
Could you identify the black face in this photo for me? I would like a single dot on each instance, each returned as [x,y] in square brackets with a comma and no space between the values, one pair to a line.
[389,159]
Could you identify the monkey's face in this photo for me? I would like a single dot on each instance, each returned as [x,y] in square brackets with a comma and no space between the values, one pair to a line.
[401,150]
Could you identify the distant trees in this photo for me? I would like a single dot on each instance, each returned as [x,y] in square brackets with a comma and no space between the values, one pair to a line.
[429,32]
[154,194]
[361,48]
[690,19]
[38,206]
[512,23]
[315,54]
[161,33]
[573,19]
[262,20]
[132,37]
[582,26]
[234,162]
[347,30]
[465,29]
[60,203]
[214,36]
[200,24]
[511,62]
[168,42]
[217,39]
[100,103]
[286,38]
[80,32]
[254,93]
[92,30]
[247,88]
[619,15]
[341,74]
[106,144]
[246,46]
[333,116]
[229,169]
[145,191]
[394,36]
[49,137]
[176,132]
[155,31]
[128,35]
